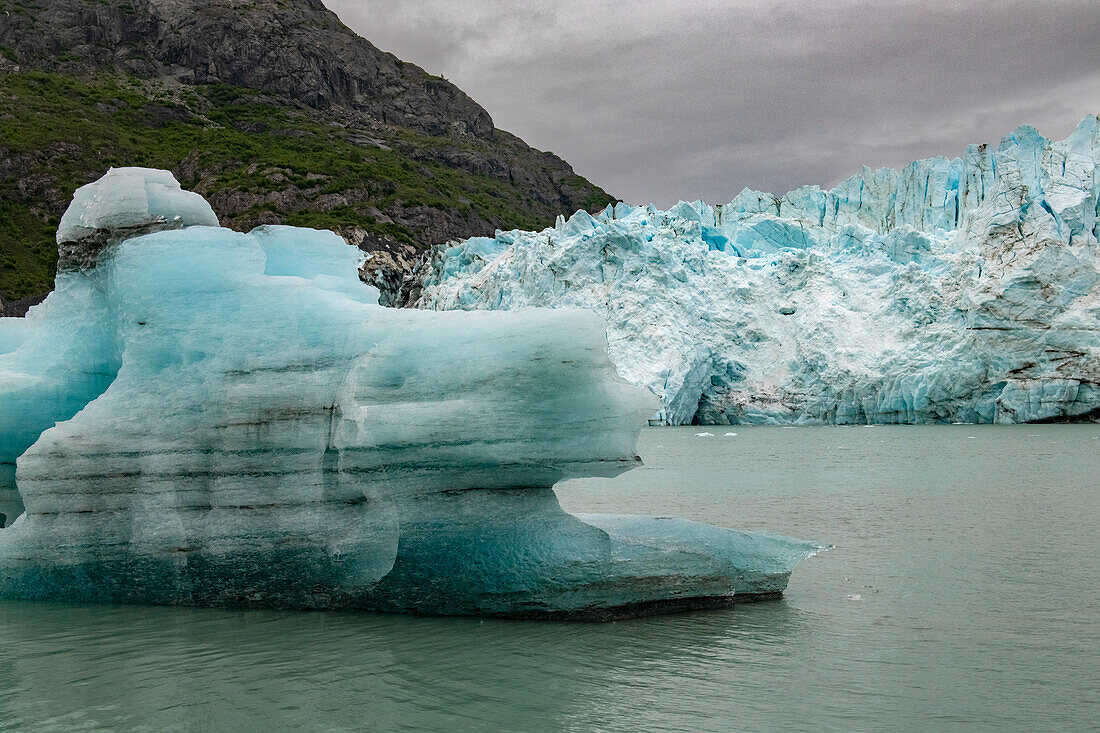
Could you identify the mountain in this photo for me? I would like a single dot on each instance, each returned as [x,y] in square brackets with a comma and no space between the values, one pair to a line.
[272,109]
[962,290]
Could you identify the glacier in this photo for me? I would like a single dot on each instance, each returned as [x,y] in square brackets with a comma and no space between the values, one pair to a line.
[202,416]
[953,290]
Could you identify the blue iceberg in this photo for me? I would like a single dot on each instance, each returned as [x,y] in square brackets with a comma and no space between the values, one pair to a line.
[200,416]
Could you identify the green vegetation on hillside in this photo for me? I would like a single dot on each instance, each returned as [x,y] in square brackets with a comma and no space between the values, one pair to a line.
[58,132]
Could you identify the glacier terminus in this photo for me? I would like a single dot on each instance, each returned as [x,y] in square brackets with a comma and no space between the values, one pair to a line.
[953,290]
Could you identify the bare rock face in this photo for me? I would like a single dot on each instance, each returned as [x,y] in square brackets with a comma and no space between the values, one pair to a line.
[299,49]
[19,308]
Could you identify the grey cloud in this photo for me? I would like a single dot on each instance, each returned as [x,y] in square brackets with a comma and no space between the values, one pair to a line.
[658,100]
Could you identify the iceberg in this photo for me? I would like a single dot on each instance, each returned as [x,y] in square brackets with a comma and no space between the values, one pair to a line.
[201,416]
[964,290]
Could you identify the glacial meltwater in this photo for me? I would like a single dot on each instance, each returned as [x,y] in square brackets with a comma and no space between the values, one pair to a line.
[963,594]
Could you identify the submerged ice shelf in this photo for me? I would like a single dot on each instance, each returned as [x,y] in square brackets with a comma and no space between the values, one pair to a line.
[963,290]
[200,416]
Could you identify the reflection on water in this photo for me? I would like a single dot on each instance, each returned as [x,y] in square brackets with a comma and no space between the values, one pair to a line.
[962,594]
[145,668]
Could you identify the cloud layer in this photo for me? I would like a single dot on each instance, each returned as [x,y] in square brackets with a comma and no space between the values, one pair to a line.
[658,100]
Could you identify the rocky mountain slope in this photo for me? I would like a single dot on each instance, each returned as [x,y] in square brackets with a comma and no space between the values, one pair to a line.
[953,290]
[271,109]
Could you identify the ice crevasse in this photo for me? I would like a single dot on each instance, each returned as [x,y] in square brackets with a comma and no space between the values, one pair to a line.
[201,416]
[964,290]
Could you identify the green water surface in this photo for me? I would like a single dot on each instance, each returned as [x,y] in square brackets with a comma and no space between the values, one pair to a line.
[963,594]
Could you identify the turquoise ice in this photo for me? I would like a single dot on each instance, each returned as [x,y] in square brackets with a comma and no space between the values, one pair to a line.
[201,416]
[953,290]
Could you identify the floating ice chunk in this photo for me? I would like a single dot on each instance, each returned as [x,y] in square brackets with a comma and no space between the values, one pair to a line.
[742,562]
[704,435]
[731,435]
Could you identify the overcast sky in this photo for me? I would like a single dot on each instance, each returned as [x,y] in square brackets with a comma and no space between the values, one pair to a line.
[660,100]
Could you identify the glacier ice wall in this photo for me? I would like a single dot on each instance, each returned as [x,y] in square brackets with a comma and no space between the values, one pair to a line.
[200,416]
[963,290]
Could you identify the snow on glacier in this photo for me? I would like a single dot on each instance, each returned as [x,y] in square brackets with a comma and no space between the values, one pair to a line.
[964,290]
[201,416]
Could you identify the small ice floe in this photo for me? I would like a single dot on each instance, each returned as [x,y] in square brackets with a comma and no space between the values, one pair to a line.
[970,437]
[731,435]
[855,597]
[704,435]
